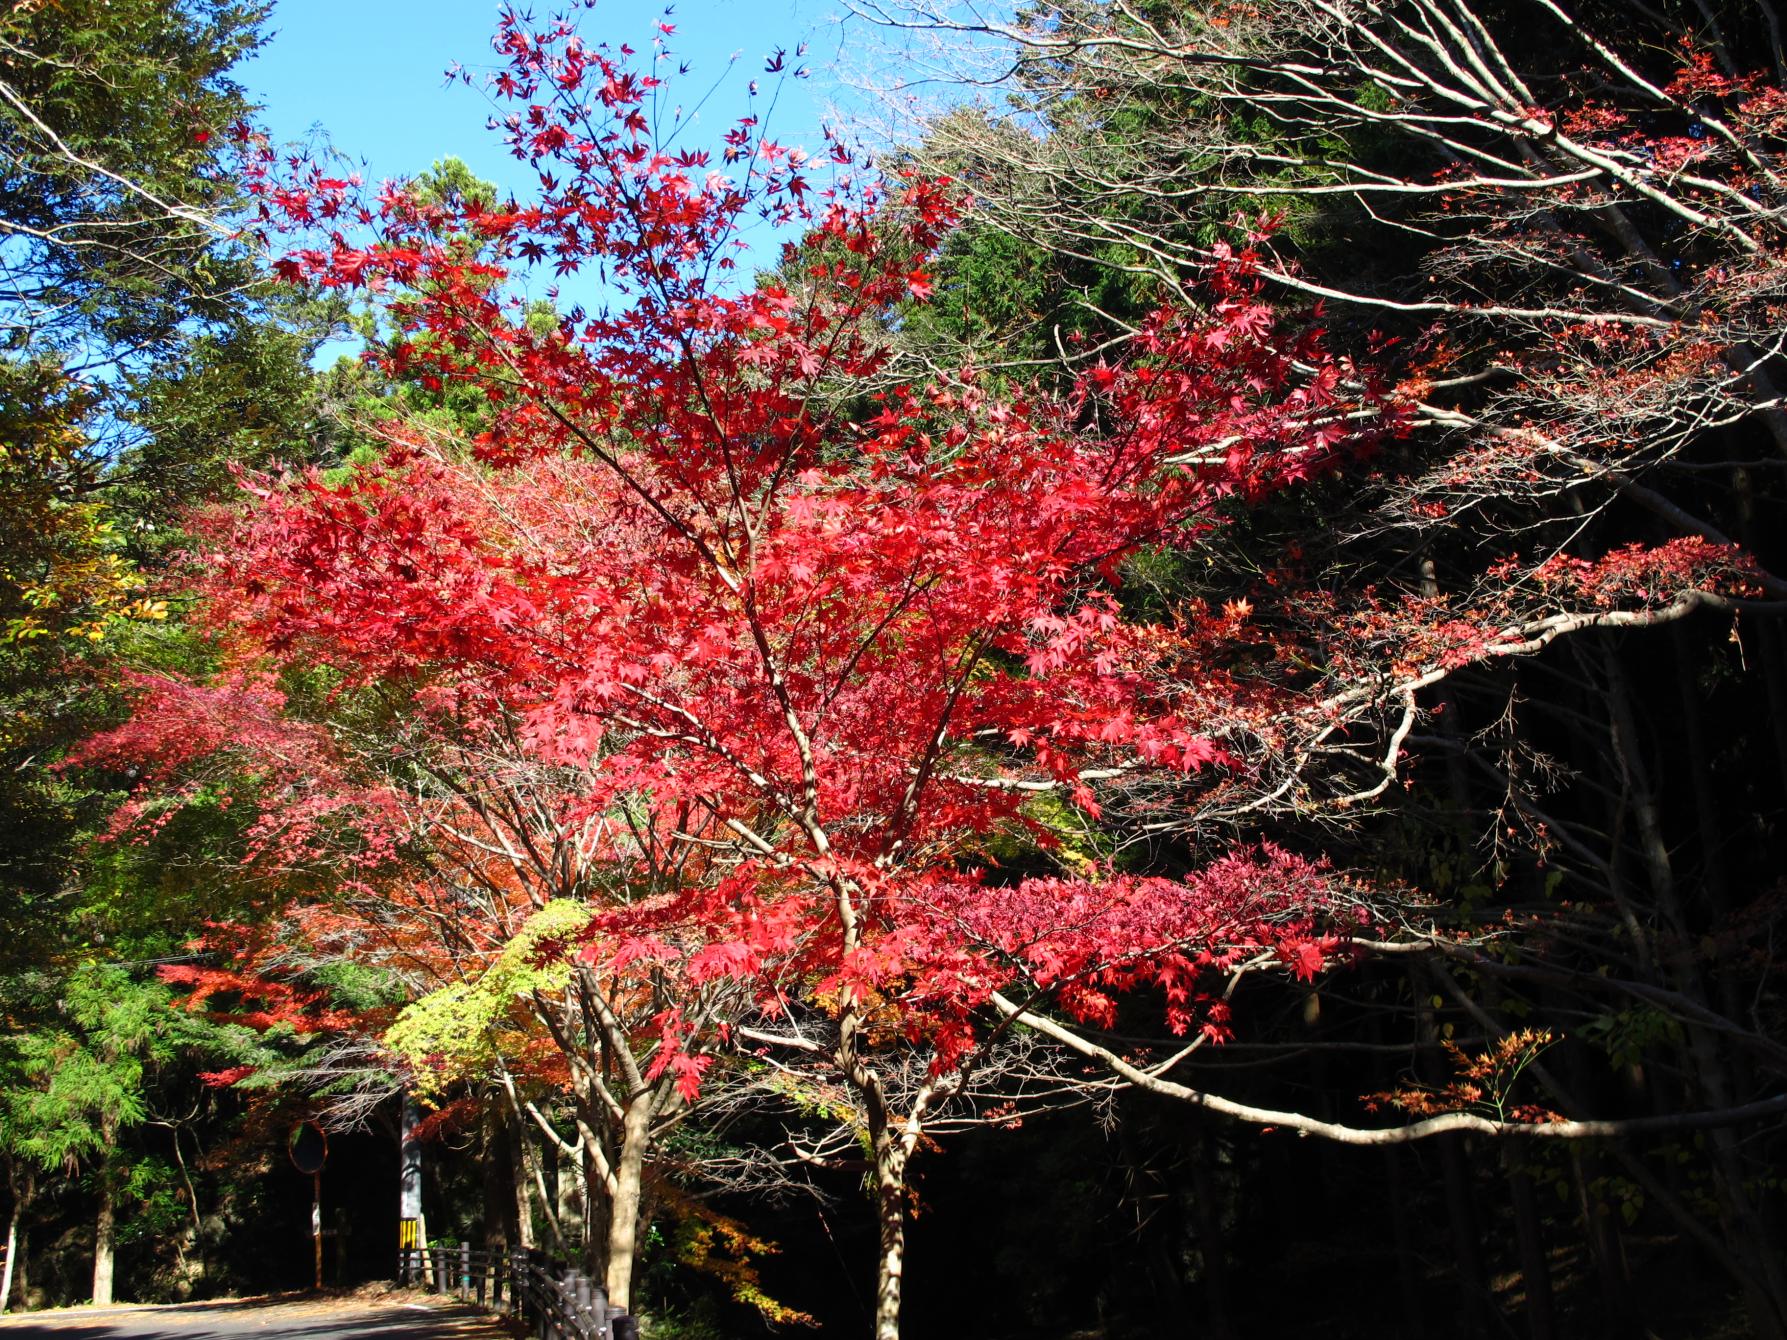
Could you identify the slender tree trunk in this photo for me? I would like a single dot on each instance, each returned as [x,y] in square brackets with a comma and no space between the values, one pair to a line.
[104,1237]
[567,1192]
[21,1272]
[12,1246]
[598,1210]
[495,1168]
[518,1177]
[192,1200]
[528,1144]
[14,1238]
[542,1155]
[891,1141]
[890,1209]
[593,1177]
[624,1204]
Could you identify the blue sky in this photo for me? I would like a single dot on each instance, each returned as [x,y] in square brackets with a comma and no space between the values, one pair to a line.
[370,77]
[370,73]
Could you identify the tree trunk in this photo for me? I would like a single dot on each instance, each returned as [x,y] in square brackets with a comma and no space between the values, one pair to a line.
[519,1176]
[104,1237]
[567,1193]
[624,1204]
[495,1166]
[593,1176]
[13,1241]
[890,1208]
[12,1245]
[598,1212]
[542,1165]
[21,1271]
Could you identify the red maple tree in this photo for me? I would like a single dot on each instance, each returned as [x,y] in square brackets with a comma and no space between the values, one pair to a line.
[712,573]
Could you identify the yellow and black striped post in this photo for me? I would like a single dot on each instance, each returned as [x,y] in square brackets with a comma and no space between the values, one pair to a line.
[409,1243]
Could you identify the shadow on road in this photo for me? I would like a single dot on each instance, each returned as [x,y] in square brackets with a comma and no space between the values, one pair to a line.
[280,1318]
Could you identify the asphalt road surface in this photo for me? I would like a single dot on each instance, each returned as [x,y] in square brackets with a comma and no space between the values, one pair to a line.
[272,1318]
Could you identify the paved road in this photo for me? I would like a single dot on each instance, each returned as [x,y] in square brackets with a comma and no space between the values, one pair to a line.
[272,1319]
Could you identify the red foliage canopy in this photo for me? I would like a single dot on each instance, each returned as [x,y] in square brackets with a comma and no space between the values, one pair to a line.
[713,560]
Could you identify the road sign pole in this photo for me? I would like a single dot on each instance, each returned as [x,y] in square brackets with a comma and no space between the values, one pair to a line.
[316,1222]
[308,1148]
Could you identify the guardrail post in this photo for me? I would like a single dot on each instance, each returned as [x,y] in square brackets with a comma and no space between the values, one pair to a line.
[550,1298]
[567,1297]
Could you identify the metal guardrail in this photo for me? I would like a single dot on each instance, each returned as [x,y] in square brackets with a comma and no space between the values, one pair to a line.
[559,1301]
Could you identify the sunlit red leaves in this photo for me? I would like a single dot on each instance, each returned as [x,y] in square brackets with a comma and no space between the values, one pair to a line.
[1648,574]
[682,570]
[246,984]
